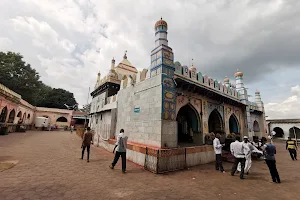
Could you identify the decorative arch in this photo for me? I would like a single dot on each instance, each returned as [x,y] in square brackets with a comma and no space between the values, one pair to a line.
[294,131]
[28,116]
[11,117]
[256,127]
[3,114]
[234,124]
[215,122]
[62,119]
[279,132]
[187,120]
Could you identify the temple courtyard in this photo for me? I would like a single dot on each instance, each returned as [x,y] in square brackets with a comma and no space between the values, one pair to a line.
[47,166]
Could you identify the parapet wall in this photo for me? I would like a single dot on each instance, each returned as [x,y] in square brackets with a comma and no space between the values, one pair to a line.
[197,77]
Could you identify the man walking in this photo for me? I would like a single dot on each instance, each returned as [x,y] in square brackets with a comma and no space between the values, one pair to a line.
[270,152]
[120,148]
[218,151]
[248,162]
[291,146]
[86,143]
[239,150]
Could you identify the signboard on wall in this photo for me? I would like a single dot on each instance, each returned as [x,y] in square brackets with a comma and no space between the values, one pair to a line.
[137,110]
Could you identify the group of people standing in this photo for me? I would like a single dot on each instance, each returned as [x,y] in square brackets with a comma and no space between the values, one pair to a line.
[242,152]
[120,147]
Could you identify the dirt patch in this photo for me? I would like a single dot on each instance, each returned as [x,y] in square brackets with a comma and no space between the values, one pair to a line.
[7,164]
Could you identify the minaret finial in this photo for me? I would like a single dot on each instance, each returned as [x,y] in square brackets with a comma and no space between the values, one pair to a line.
[125,56]
[160,18]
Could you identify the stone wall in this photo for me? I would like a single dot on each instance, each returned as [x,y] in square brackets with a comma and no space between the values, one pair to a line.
[139,112]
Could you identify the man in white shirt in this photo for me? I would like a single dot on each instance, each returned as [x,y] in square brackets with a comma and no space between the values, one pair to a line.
[120,147]
[248,163]
[239,150]
[218,150]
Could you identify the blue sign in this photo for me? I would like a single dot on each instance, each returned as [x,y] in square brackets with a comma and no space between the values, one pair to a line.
[137,110]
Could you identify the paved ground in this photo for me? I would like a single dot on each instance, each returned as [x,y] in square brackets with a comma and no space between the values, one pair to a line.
[49,168]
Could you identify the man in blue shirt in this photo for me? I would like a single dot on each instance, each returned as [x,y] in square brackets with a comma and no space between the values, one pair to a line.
[270,151]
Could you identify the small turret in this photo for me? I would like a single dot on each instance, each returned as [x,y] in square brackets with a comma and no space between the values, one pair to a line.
[226,81]
[113,64]
[98,80]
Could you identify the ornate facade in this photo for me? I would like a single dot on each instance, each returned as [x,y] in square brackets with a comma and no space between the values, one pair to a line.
[170,105]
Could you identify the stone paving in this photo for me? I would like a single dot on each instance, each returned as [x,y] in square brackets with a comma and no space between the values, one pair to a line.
[49,168]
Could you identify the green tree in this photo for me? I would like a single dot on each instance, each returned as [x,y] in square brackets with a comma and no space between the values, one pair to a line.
[19,76]
[56,98]
[24,80]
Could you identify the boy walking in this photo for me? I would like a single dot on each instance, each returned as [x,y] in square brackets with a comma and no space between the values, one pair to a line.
[86,143]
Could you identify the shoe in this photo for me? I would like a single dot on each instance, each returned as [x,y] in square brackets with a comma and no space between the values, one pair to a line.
[88,161]
[110,166]
[124,171]
[247,173]
[223,172]
[242,178]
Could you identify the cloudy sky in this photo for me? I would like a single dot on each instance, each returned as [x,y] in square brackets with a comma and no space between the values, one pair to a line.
[69,41]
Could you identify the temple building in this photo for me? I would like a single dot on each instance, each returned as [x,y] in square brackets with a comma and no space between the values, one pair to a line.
[168,109]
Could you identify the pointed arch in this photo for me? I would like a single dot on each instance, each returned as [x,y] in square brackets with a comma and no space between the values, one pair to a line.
[188,120]
[11,117]
[19,114]
[294,131]
[215,122]
[279,132]
[3,114]
[256,127]
[234,126]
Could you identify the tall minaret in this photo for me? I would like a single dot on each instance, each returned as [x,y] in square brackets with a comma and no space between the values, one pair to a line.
[240,87]
[258,100]
[162,58]
[243,97]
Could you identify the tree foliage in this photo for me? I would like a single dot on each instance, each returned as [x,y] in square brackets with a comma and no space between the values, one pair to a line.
[24,80]
[56,98]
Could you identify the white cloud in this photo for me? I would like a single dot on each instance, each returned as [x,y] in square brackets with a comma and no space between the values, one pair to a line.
[287,108]
[69,41]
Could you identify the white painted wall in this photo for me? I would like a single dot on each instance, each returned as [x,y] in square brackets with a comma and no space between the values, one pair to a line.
[285,127]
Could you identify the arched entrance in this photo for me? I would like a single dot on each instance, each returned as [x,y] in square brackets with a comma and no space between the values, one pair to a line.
[11,117]
[3,114]
[233,124]
[256,126]
[215,122]
[187,121]
[279,132]
[294,131]
[61,119]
